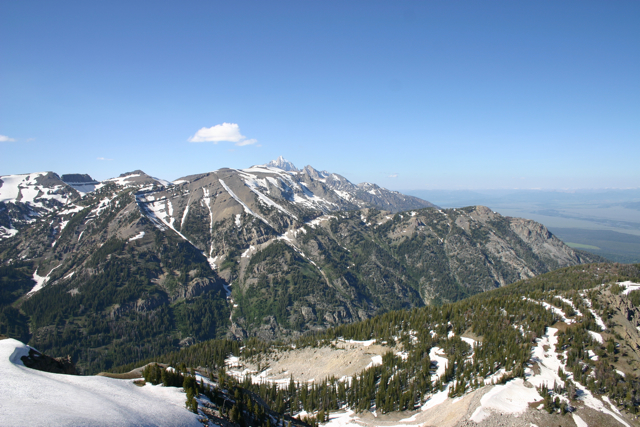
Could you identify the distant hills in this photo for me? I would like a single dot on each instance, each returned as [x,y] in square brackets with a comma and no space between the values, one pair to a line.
[606,219]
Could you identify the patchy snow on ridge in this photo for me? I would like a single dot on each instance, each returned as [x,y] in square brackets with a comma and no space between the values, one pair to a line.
[629,286]
[122,180]
[570,303]
[554,309]
[245,207]
[25,188]
[36,398]
[5,232]
[596,336]
[511,398]
[254,185]
[599,321]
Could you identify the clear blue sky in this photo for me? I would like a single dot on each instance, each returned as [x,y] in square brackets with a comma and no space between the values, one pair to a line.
[410,95]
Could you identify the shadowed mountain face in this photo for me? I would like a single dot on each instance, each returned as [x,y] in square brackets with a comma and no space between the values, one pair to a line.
[140,265]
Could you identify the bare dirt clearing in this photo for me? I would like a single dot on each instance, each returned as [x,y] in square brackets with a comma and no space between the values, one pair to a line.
[344,359]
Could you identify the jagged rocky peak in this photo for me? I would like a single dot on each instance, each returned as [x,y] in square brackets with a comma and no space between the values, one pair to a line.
[284,164]
[314,173]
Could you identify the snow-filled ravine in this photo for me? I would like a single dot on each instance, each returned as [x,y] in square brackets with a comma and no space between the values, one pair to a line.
[34,398]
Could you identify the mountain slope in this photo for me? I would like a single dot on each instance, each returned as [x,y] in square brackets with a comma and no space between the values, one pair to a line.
[141,266]
[557,349]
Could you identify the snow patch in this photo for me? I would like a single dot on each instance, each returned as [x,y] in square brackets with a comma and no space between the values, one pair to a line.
[31,397]
[436,399]
[579,421]
[569,302]
[596,336]
[248,252]
[511,398]
[629,286]
[5,232]
[137,236]
[437,356]
[375,361]
[40,281]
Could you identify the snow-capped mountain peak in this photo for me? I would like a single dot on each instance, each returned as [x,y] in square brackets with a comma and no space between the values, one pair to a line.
[284,164]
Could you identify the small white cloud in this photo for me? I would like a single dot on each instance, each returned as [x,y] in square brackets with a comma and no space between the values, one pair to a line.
[30,139]
[229,132]
[394,175]
[246,142]
[4,138]
[103,158]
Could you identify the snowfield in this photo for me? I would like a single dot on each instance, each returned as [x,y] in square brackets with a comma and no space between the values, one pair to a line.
[25,188]
[35,398]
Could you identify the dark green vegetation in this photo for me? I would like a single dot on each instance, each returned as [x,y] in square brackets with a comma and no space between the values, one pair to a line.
[229,401]
[15,281]
[618,247]
[507,323]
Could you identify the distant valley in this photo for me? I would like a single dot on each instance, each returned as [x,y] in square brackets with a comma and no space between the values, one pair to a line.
[606,219]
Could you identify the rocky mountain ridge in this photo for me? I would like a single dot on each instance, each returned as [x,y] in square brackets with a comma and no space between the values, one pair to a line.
[27,196]
[143,264]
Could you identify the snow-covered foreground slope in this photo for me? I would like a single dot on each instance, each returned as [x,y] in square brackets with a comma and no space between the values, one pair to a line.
[35,398]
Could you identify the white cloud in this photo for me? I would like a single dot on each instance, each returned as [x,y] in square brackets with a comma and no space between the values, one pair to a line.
[4,138]
[225,132]
[246,142]
[103,158]
[395,175]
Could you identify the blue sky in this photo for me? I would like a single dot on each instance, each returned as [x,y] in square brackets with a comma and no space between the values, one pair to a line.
[410,95]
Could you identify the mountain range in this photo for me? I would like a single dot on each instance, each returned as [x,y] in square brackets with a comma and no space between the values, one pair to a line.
[118,270]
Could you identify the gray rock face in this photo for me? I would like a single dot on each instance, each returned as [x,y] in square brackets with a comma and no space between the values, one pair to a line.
[42,362]
[78,178]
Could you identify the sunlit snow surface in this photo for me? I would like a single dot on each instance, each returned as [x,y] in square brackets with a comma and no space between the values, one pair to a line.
[25,188]
[629,286]
[34,398]
[511,398]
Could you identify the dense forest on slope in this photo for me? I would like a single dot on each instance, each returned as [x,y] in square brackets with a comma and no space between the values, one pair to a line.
[582,303]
